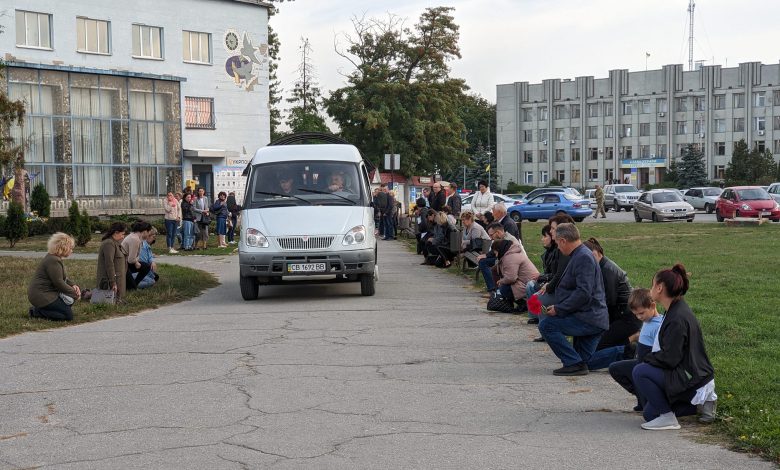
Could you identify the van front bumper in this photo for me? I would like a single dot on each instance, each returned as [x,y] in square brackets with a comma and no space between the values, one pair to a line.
[275,265]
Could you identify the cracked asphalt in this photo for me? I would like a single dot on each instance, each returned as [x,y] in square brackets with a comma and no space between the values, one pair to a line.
[418,376]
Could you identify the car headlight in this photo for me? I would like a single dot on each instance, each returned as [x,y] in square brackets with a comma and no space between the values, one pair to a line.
[777,206]
[745,207]
[355,236]
[255,238]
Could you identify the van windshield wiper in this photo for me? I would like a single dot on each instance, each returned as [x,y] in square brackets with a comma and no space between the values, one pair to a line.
[284,195]
[354,203]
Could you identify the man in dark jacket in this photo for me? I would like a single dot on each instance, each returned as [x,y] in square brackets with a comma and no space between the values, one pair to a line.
[580,309]
[437,198]
[453,200]
[500,216]
[381,204]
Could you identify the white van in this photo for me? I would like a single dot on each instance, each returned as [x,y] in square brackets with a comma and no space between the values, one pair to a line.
[307,217]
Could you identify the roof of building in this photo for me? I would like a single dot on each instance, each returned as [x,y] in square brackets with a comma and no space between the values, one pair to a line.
[258,3]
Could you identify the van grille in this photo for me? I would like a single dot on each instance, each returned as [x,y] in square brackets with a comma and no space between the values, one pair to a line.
[305,243]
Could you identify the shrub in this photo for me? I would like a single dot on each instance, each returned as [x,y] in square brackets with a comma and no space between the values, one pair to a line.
[2,225]
[73,219]
[57,224]
[37,227]
[84,231]
[15,223]
[39,201]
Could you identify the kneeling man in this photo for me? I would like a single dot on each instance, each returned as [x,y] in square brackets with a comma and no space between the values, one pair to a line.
[580,308]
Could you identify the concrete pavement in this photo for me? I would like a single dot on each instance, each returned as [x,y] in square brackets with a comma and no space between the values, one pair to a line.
[418,376]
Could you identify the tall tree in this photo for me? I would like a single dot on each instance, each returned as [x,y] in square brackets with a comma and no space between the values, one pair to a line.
[400,98]
[750,166]
[12,152]
[306,96]
[691,171]
[479,120]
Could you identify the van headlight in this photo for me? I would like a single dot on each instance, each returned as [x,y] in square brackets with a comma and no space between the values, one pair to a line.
[356,236]
[255,238]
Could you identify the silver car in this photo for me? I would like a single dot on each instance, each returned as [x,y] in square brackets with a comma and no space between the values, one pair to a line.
[703,198]
[662,204]
[774,191]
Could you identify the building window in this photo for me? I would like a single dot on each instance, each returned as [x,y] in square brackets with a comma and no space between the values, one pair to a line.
[92,36]
[760,145]
[609,153]
[196,47]
[593,153]
[662,105]
[698,103]
[699,127]
[627,108]
[759,123]
[777,146]
[559,112]
[720,125]
[527,114]
[542,156]
[147,42]
[739,124]
[627,151]
[776,97]
[607,109]
[739,100]
[625,130]
[560,175]
[593,110]
[681,127]
[559,133]
[575,111]
[660,151]
[609,132]
[759,99]
[542,113]
[33,29]
[660,128]
[543,179]
[776,122]
[528,136]
[720,148]
[644,129]
[720,102]
[560,155]
[528,178]
[644,106]
[574,133]
[681,104]
[609,174]
[593,174]
[644,151]
[198,113]
[575,155]
[681,149]
[593,132]
[528,156]
[719,172]
[575,176]
[543,135]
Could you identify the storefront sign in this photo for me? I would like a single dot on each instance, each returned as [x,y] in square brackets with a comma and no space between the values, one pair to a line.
[644,163]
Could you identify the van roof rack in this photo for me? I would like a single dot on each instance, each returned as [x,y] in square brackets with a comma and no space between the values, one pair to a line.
[309,138]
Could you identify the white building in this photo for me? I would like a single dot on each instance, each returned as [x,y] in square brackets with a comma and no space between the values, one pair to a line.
[129,101]
[630,125]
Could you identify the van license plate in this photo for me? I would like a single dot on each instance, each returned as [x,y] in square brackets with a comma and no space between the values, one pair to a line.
[306,268]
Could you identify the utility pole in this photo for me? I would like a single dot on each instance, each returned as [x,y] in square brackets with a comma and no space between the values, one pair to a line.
[691,6]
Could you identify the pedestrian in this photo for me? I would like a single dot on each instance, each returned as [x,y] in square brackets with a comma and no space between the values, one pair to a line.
[234,208]
[599,195]
[220,210]
[132,245]
[112,261]
[202,218]
[453,200]
[172,220]
[483,200]
[50,292]
[188,223]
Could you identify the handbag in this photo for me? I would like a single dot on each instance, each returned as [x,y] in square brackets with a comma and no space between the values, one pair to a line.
[103,296]
[497,303]
[205,219]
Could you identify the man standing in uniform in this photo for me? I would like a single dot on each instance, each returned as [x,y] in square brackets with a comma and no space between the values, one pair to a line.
[599,195]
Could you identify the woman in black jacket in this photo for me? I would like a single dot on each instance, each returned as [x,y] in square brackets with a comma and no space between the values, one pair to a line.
[678,370]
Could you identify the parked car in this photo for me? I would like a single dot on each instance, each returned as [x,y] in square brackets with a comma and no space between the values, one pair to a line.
[619,196]
[508,201]
[774,191]
[703,198]
[551,189]
[517,196]
[659,205]
[746,201]
[590,195]
[546,205]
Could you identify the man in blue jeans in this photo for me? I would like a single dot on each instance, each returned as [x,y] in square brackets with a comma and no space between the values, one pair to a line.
[580,308]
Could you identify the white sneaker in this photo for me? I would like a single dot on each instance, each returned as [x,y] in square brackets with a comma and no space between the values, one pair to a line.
[664,422]
[172,251]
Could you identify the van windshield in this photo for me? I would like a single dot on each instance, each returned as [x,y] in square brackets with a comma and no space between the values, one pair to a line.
[320,183]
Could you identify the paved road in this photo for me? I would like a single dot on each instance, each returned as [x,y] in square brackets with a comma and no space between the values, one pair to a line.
[418,376]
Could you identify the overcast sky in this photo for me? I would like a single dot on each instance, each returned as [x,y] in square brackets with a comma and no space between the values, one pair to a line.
[504,41]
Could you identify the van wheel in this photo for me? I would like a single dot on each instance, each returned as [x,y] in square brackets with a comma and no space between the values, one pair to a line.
[249,288]
[367,284]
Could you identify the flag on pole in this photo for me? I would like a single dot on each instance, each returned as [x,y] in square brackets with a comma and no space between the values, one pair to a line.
[487,168]
[647,54]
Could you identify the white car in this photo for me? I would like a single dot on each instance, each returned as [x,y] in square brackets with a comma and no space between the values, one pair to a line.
[703,198]
[508,201]
[774,191]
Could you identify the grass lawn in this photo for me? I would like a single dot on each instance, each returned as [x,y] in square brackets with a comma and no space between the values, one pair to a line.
[175,285]
[734,292]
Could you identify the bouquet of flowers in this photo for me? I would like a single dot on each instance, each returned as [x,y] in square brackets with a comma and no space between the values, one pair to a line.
[534,305]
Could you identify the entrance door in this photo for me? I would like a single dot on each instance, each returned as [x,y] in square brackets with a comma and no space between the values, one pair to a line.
[205,176]
[643,177]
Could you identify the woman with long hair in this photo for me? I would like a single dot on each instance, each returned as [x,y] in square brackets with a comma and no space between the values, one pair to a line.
[172,219]
[188,222]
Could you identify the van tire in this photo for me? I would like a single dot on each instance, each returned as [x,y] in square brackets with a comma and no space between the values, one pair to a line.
[367,284]
[249,288]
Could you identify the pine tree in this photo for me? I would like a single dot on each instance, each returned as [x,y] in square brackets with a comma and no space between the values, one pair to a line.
[738,170]
[691,170]
[84,232]
[15,223]
[39,201]
[74,218]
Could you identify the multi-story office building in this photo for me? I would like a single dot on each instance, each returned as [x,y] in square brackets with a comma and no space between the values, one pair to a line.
[126,102]
[629,126]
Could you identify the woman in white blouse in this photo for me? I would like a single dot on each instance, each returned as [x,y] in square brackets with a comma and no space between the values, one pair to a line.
[483,200]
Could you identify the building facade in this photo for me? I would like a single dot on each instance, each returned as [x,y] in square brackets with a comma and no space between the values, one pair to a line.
[127,103]
[629,126]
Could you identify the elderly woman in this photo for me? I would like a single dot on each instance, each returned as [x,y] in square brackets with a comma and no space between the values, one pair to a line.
[112,260]
[514,269]
[51,293]
[483,199]
[474,236]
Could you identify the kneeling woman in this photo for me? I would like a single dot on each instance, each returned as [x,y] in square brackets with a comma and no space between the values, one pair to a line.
[677,374]
[51,293]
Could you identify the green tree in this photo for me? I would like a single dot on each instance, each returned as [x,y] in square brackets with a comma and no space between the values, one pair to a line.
[400,98]
[12,152]
[15,223]
[672,174]
[750,167]
[306,97]
[39,201]
[692,170]
[84,232]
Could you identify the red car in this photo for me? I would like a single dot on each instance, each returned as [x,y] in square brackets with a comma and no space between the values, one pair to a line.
[746,201]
